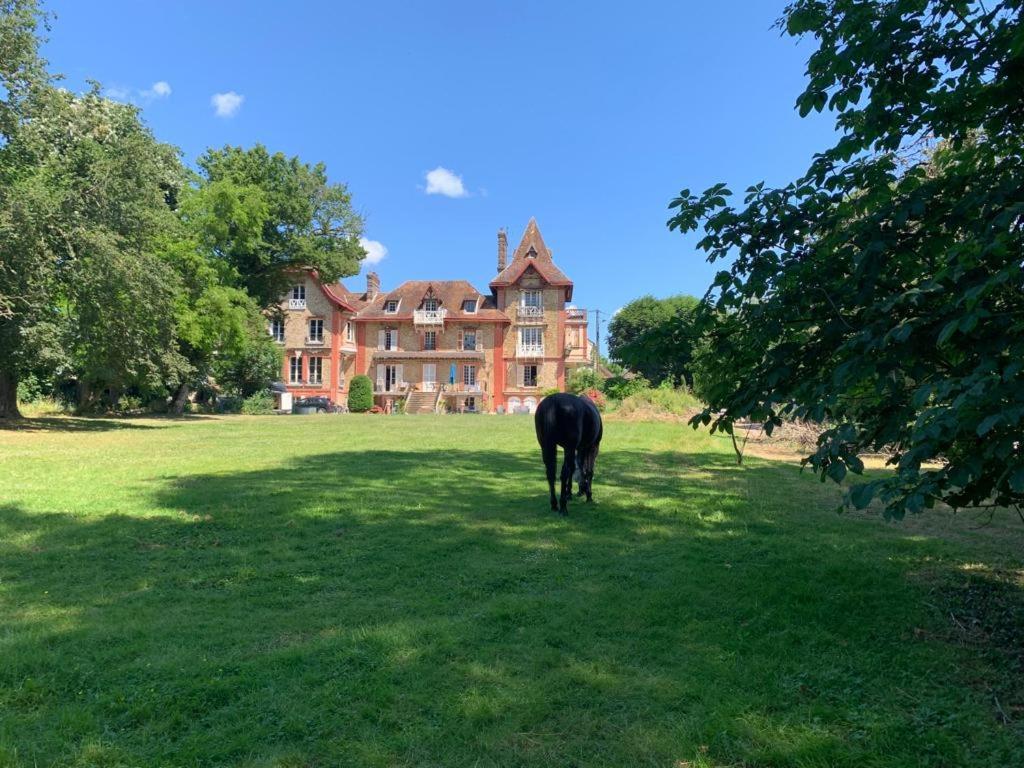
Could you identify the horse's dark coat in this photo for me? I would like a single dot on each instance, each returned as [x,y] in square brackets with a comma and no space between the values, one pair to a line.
[575,424]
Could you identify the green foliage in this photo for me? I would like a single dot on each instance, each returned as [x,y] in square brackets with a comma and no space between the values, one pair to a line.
[657,402]
[360,394]
[655,337]
[265,214]
[882,289]
[550,391]
[30,389]
[621,387]
[258,404]
[582,379]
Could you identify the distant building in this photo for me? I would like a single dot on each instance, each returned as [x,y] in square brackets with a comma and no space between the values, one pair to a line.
[439,343]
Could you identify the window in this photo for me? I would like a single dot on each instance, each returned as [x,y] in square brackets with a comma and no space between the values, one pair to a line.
[341,374]
[391,306]
[295,370]
[532,299]
[430,340]
[299,293]
[316,370]
[469,375]
[531,337]
[469,341]
[430,305]
[277,329]
[391,339]
[469,306]
[316,329]
[350,331]
[529,375]
[471,404]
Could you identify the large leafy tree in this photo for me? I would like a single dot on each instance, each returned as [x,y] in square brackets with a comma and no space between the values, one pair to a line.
[84,191]
[883,289]
[263,215]
[655,337]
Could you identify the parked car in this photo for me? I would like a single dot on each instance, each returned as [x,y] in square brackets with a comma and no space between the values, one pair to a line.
[314,405]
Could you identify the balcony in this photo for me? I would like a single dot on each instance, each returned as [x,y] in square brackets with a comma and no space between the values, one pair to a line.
[296,303]
[574,313]
[429,316]
[530,350]
[311,342]
[524,312]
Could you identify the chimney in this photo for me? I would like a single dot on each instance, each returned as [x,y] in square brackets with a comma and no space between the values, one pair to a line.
[502,249]
[372,285]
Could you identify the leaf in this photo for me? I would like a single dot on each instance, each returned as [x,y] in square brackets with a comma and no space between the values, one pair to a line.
[987,423]
[862,494]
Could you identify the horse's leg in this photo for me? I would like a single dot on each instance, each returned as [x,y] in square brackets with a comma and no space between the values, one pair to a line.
[550,454]
[568,467]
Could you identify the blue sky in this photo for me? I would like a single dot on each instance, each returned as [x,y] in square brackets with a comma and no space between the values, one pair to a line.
[590,117]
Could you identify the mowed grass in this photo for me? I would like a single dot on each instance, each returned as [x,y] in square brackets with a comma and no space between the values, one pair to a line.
[393,591]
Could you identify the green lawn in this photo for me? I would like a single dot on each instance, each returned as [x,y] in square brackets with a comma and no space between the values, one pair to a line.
[393,591]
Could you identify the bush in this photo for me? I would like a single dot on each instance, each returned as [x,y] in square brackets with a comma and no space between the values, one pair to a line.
[129,403]
[663,402]
[597,396]
[30,389]
[619,387]
[360,394]
[259,404]
[583,379]
[550,391]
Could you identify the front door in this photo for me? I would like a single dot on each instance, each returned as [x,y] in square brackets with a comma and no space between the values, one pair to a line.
[429,377]
[390,377]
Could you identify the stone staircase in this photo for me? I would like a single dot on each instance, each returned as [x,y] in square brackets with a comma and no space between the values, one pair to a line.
[420,402]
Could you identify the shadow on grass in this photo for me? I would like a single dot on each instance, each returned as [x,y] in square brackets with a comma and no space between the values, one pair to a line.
[91,423]
[419,607]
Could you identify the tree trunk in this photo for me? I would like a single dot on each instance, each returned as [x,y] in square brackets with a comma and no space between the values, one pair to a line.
[9,395]
[180,398]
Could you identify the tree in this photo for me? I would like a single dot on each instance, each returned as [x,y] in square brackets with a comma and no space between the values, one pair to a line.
[84,191]
[582,379]
[882,290]
[655,337]
[360,394]
[264,215]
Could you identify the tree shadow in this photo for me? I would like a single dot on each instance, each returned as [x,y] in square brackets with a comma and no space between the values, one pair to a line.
[93,423]
[382,607]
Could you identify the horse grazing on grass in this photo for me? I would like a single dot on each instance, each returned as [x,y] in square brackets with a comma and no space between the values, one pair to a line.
[575,424]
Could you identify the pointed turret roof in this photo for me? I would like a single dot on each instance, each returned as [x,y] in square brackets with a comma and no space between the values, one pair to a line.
[533,253]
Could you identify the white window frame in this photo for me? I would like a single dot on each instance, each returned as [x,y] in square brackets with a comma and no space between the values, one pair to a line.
[318,323]
[390,338]
[315,370]
[472,311]
[536,375]
[469,375]
[431,304]
[533,331]
[465,335]
[277,329]
[429,335]
[389,303]
[295,370]
[350,331]
[536,298]
[299,292]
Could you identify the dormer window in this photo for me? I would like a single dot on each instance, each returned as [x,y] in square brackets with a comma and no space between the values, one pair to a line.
[532,253]
[299,293]
[431,304]
[469,306]
[391,306]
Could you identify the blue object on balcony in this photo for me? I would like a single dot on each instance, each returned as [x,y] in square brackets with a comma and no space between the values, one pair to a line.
[451,374]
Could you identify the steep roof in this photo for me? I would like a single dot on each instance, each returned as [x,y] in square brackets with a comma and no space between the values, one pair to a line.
[533,252]
[449,293]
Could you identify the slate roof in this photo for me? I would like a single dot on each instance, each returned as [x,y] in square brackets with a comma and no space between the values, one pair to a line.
[410,294]
[533,253]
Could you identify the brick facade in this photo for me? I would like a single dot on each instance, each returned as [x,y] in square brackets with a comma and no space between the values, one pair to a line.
[466,350]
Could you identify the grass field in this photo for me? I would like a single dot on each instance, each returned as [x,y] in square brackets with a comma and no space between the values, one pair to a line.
[393,591]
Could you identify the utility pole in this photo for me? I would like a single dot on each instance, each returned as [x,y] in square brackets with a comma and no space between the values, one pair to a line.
[597,325]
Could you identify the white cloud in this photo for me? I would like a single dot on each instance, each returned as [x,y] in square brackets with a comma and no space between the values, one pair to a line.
[441,181]
[117,93]
[226,104]
[375,250]
[161,89]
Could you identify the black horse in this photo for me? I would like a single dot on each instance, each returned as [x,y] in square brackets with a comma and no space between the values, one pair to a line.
[575,424]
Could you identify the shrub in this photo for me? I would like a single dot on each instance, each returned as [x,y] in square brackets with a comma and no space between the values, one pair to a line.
[228,404]
[129,403]
[551,391]
[259,404]
[360,394]
[597,396]
[30,389]
[583,379]
[619,387]
[663,402]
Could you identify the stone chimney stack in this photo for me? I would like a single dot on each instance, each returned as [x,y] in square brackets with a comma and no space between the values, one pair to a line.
[502,249]
[372,285]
